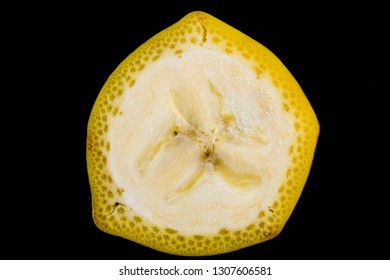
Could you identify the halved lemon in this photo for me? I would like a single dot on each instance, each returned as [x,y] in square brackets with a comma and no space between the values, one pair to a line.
[200,142]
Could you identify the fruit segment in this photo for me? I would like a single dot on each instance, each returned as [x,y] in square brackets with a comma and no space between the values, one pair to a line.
[200,142]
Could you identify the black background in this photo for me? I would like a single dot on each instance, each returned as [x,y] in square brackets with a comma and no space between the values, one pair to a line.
[55,61]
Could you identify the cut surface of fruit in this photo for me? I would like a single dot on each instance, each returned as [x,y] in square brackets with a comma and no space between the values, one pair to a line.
[200,142]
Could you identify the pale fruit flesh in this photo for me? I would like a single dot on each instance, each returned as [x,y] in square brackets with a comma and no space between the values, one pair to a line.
[200,142]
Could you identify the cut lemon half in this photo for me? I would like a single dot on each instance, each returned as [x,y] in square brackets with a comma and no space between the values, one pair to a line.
[200,142]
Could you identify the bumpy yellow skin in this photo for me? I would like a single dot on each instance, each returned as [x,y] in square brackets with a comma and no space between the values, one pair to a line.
[198,29]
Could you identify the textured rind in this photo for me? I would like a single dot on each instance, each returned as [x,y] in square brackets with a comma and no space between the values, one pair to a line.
[201,29]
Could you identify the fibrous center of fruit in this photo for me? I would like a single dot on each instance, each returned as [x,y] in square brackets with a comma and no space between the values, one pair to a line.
[200,142]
